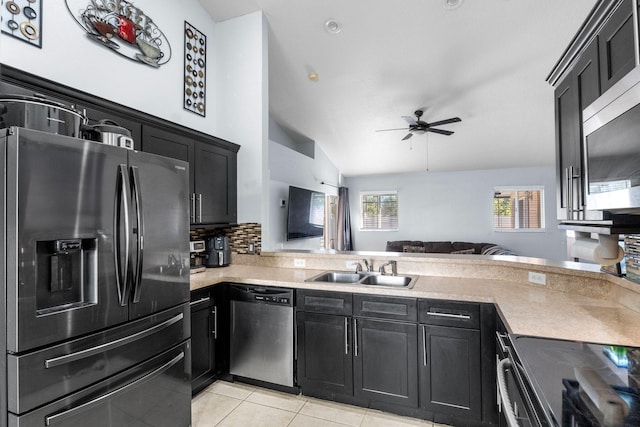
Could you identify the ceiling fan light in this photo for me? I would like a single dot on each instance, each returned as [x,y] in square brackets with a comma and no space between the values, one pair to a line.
[332,26]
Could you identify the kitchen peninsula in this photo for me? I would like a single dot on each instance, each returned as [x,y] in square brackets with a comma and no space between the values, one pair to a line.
[578,302]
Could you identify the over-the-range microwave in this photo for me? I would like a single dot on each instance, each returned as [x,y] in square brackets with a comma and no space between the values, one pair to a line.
[611,141]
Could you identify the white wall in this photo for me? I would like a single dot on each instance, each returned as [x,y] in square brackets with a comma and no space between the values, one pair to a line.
[288,167]
[457,206]
[242,113]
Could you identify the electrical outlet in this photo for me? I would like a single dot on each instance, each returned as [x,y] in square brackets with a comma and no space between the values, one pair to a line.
[538,278]
[298,262]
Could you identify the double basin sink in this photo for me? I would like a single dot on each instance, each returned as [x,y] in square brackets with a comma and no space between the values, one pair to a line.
[362,278]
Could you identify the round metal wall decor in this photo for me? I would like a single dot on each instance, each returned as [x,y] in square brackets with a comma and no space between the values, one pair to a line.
[195,70]
[123,28]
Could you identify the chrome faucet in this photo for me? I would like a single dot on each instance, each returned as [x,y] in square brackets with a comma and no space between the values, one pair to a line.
[369,266]
[358,267]
[394,268]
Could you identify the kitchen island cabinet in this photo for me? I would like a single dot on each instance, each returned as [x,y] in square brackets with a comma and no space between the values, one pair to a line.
[325,342]
[347,354]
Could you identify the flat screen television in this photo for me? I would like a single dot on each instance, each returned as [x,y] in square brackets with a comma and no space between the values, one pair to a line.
[305,216]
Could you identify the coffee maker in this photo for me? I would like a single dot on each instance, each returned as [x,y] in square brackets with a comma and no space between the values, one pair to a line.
[218,252]
[197,255]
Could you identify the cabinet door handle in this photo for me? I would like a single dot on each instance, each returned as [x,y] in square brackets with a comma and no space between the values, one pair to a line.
[193,207]
[199,207]
[424,345]
[449,315]
[355,337]
[215,322]
[346,335]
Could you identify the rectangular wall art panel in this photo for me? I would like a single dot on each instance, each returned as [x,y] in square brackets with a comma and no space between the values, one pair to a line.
[195,70]
[22,19]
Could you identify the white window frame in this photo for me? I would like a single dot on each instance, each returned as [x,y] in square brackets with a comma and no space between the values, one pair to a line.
[377,193]
[543,225]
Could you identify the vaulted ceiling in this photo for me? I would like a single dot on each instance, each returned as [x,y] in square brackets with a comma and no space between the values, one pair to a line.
[484,61]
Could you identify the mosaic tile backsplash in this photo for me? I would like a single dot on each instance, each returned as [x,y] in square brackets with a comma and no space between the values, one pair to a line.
[241,236]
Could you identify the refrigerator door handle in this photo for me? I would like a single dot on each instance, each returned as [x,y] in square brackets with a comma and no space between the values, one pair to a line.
[79,355]
[137,198]
[61,416]
[122,207]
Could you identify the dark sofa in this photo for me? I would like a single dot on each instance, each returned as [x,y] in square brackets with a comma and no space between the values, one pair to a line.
[418,246]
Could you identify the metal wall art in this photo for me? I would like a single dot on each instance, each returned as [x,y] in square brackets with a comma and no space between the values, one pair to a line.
[22,19]
[195,70]
[125,29]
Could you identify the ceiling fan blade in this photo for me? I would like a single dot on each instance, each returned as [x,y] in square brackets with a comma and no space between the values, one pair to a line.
[446,122]
[385,130]
[409,135]
[409,120]
[440,131]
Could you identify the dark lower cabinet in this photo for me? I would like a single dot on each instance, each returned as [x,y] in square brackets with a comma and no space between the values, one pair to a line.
[203,342]
[431,359]
[385,361]
[450,371]
[325,364]
[209,336]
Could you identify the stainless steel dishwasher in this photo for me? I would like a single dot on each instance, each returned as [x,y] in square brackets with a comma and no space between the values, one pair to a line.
[262,334]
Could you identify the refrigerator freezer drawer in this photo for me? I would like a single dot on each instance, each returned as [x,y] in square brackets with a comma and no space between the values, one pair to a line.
[45,375]
[154,393]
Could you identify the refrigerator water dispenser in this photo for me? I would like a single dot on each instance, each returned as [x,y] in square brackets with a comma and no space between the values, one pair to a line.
[66,274]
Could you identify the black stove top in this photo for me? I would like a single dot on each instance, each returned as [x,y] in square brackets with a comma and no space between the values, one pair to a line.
[582,384]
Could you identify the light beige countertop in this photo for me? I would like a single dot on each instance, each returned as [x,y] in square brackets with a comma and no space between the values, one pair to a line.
[597,311]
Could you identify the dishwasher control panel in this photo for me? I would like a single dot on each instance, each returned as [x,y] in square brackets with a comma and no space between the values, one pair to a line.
[276,299]
[263,295]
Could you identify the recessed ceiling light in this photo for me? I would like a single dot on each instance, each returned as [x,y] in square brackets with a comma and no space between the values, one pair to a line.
[313,77]
[332,26]
[451,4]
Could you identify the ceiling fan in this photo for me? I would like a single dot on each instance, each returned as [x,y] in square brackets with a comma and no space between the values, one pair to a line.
[422,126]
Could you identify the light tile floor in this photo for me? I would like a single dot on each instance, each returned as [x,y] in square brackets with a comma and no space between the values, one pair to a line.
[235,404]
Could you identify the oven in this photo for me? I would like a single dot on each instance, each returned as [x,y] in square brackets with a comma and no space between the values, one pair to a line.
[547,382]
[516,405]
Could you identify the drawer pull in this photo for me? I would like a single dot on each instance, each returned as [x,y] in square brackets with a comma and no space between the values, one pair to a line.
[82,354]
[449,315]
[65,415]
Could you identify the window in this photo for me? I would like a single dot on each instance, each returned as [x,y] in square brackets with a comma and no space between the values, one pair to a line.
[379,210]
[518,209]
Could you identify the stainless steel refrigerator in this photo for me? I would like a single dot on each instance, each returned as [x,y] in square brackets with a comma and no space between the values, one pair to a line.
[95,285]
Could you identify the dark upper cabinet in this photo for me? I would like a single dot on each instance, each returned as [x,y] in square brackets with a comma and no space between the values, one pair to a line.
[616,42]
[602,52]
[574,93]
[324,358]
[212,172]
[170,144]
[215,184]
[385,361]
